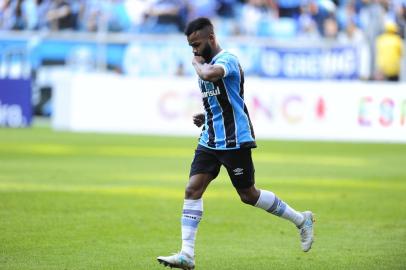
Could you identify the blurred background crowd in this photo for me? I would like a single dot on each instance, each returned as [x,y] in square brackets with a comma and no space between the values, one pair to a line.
[378,24]
[347,20]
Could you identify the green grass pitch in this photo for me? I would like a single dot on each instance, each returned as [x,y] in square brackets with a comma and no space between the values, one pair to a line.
[97,201]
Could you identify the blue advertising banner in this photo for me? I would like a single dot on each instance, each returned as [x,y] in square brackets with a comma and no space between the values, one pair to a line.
[310,63]
[167,57]
[304,63]
[15,103]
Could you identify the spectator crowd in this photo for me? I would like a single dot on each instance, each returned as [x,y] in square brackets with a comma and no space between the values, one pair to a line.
[331,19]
[344,21]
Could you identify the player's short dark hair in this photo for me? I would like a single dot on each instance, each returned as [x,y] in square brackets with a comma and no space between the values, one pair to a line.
[198,24]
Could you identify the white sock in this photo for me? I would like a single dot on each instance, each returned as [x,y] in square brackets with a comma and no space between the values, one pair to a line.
[191,216]
[269,202]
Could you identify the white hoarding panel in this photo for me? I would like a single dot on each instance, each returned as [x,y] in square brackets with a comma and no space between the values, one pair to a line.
[278,109]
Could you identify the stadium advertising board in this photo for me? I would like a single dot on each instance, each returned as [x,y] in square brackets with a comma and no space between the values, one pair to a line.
[15,103]
[309,63]
[149,56]
[279,109]
[329,111]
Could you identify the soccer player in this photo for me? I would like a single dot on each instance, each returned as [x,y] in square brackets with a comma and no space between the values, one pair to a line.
[226,139]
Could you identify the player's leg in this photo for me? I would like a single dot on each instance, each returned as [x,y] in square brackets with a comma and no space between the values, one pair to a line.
[197,185]
[193,210]
[205,167]
[191,216]
[268,201]
[241,170]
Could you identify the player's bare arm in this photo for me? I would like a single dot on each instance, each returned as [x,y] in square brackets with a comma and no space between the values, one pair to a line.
[198,119]
[207,72]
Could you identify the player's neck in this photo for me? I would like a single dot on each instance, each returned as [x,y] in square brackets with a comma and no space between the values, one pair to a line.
[216,51]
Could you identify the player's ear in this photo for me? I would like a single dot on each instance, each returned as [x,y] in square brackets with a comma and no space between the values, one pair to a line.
[212,38]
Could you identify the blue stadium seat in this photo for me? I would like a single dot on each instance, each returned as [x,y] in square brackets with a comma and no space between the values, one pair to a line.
[283,28]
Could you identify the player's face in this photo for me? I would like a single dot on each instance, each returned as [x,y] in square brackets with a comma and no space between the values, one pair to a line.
[200,45]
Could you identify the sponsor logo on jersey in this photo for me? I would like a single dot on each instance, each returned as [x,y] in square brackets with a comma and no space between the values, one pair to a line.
[238,171]
[211,93]
[208,89]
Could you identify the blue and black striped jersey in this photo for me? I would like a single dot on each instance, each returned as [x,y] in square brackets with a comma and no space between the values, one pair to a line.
[227,123]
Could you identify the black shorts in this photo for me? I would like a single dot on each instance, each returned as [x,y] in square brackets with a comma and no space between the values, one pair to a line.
[238,163]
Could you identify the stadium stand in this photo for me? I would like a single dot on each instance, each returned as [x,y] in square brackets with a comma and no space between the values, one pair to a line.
[345,22]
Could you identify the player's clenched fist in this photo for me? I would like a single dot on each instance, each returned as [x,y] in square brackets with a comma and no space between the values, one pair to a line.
[198,59]
[198,119]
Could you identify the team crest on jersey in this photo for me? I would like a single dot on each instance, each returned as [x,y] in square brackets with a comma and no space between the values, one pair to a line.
[208,89]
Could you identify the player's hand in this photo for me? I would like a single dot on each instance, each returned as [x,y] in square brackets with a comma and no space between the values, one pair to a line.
[198,119]
[198,59]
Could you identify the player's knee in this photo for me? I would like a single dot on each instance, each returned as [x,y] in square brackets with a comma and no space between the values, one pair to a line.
[247,199]
[192,193]
[249,195]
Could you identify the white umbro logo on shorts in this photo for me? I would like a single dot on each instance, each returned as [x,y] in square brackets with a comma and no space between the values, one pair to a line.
[238,171]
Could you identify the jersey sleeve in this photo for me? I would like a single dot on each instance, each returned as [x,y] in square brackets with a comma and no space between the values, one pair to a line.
[229,63]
